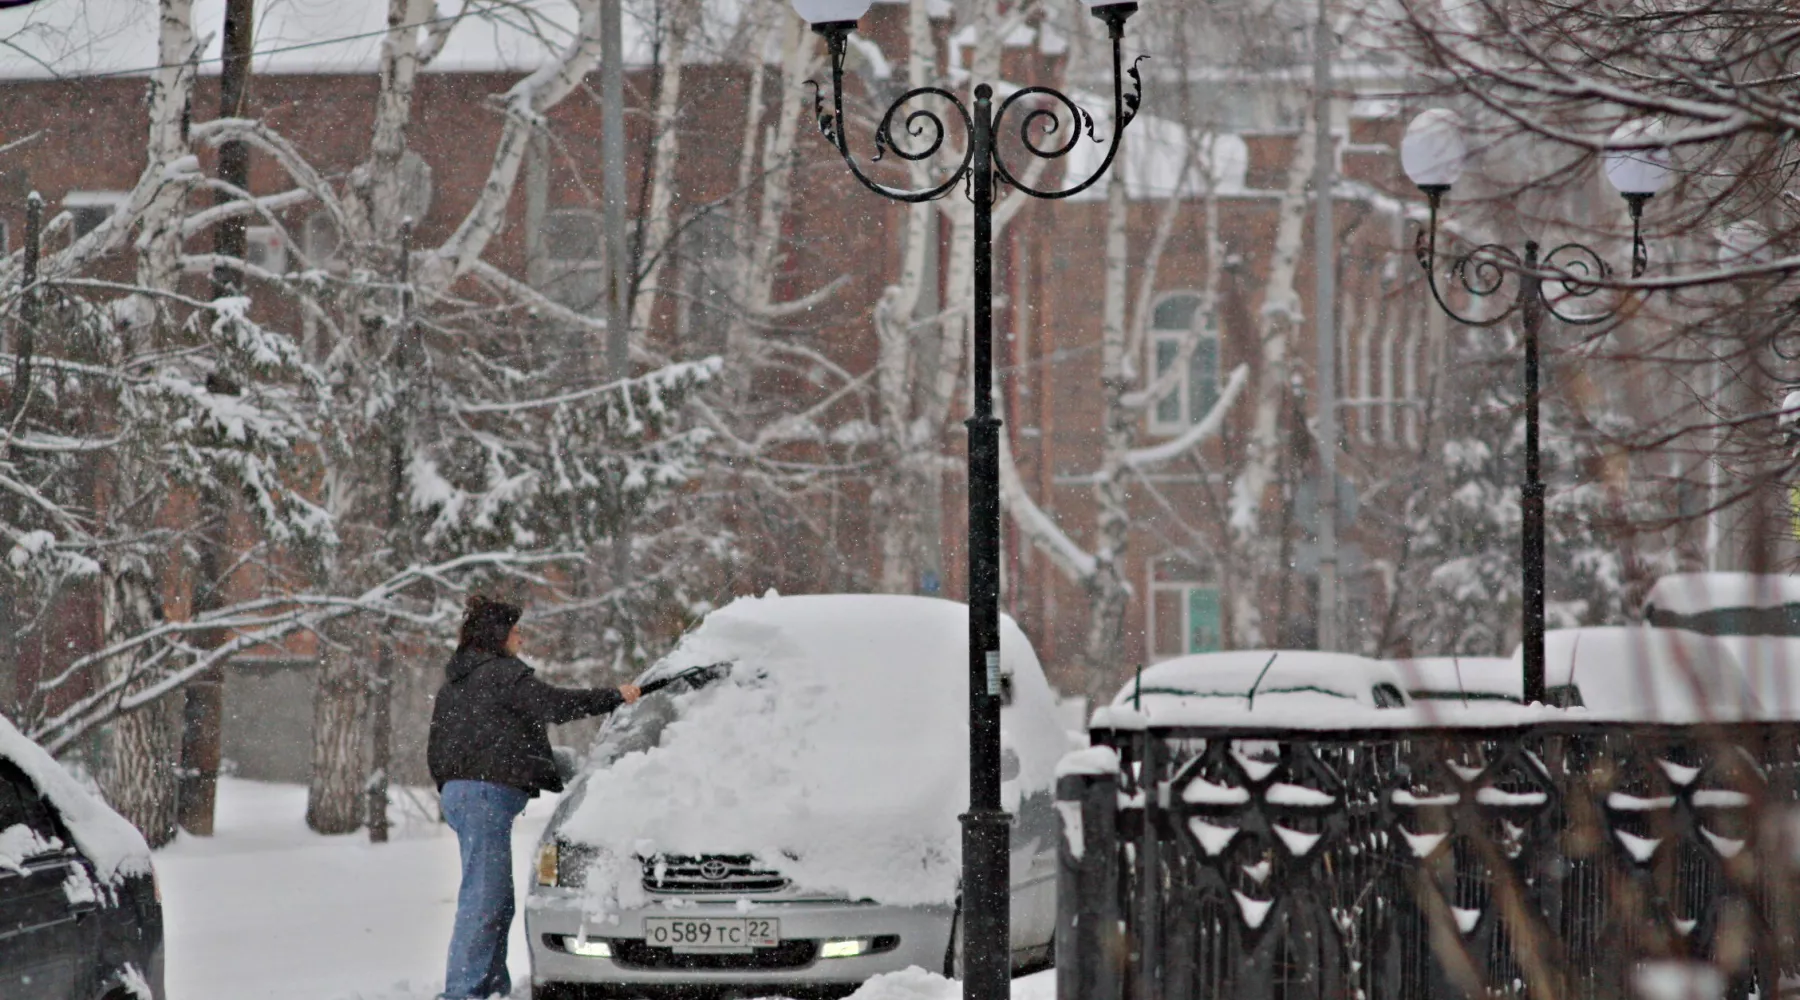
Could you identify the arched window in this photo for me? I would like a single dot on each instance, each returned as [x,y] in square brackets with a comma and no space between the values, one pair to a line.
[320,239]
[574,262]
[1176,322]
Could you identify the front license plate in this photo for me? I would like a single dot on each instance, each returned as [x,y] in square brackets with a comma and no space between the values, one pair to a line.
[712,933]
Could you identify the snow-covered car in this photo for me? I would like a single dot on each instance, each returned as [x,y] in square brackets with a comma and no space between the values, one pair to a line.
[1277,686]
[1722,604]
[1639,673]
[787,820]
[1464,679]
[1756,615]
[80,918]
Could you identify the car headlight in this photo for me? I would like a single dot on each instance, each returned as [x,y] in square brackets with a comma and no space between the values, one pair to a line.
[586,947]
[845,947]
[547,858]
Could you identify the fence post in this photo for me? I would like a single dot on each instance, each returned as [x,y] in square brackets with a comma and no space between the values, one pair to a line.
[1090,943]
[1149,867]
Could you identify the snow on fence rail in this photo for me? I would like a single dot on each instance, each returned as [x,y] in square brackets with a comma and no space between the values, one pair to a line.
[1558,859]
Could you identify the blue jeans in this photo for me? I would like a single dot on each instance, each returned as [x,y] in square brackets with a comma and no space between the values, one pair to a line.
[482,815]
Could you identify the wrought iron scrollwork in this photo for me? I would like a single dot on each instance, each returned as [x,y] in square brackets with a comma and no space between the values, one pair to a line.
[923,131]
[1575,270]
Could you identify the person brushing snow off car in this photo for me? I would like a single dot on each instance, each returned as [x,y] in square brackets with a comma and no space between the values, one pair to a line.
[489,754]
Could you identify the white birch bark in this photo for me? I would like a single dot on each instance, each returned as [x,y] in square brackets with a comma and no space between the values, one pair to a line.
[911,481]
[1252,546]
[665,156]
[140,771]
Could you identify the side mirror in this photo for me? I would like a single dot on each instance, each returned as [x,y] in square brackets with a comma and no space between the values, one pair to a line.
[1010,767]
[568,763]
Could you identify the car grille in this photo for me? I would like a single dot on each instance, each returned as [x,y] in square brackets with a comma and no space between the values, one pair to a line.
[635,954]
[722,874]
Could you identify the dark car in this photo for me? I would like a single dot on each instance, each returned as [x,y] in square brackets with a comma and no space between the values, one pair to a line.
[80,917]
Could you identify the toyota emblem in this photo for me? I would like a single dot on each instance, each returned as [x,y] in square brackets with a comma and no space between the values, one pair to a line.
[714,870]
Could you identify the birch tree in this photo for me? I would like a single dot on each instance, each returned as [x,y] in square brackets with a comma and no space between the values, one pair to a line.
[419,444]
[1239,534]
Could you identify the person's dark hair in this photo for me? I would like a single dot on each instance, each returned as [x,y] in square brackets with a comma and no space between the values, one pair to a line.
[486,624]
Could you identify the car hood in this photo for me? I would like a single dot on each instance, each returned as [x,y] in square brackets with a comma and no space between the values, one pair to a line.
[835,752]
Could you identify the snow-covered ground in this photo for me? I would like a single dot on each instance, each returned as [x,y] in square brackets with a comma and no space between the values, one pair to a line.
[267,910]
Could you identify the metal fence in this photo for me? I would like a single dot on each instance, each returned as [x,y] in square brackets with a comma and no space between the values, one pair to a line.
[1578,861]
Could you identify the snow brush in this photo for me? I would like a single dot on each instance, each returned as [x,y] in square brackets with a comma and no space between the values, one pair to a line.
[694,677]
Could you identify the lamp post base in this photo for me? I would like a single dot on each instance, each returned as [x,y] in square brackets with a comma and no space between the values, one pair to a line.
[986,906]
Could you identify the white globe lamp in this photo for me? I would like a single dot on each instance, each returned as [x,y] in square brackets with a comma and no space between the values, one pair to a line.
[1433,152]
[1638,173]
[816,12]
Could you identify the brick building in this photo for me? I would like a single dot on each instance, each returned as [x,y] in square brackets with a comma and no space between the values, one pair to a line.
[86,149]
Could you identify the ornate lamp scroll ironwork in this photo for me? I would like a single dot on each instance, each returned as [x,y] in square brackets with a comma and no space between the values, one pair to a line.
[1579,272]
[1576,268]
[929,126]
[914,129]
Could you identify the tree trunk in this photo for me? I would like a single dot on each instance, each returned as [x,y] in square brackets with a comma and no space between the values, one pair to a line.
[1107,588]
[1254,549]
[334,796]
[381,738]
[140,770]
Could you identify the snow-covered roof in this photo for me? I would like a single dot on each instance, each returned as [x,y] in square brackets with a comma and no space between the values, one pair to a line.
[836,750]
[74,38]
[1454,676]
[1637,673]
[1694,593]
[113,845]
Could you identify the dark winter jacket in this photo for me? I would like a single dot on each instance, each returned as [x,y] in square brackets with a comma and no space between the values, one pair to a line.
[488,723]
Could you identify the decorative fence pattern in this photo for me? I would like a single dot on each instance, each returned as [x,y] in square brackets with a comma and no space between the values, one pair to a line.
[1551,861]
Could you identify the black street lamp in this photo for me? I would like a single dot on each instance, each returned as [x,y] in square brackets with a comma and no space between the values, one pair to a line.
[985,881]
[1432,154]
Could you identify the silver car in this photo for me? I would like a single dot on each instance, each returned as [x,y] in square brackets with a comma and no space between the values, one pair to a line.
[670,866]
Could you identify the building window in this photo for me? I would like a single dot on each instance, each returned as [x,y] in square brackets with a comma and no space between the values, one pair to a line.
[1384,354]
[264,247]
[89,209]
[321,239]
[574,265]
[1175,321]
[707,289]
[1186,615]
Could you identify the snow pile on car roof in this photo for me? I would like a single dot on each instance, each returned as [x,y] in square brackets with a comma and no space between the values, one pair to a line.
[1696,593]
[113,845]
[1475,676]
[1269,685]
[836,750]
[1638,673]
